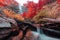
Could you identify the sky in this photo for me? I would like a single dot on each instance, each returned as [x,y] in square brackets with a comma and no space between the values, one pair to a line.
[21,2]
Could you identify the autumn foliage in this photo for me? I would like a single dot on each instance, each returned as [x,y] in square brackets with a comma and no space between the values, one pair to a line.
[33,8]
[11,14]
[8,2]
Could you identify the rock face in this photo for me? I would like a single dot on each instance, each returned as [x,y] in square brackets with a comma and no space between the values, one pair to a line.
[31,35]
[4,32]
[4,23]
[6,26]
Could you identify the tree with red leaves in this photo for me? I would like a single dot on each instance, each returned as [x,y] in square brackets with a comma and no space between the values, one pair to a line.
[8,2]
[58,1]
[33,8]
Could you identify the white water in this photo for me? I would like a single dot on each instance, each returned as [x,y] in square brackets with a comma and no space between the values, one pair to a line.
[44,37]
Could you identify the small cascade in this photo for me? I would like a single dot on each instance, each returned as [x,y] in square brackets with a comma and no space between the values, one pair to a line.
[42,36]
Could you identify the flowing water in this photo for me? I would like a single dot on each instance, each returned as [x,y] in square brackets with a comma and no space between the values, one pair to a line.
[44,37]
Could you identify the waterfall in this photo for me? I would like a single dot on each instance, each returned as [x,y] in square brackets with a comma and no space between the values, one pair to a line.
[40,33]
[20,9]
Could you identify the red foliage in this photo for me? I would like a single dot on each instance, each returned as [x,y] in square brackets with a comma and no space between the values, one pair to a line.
[33,8]
[24,15]
[1,5]
[58,1]
[7,2]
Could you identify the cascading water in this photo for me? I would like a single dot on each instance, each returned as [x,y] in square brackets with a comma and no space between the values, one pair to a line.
[40,33]
[45,37]
[20,8]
